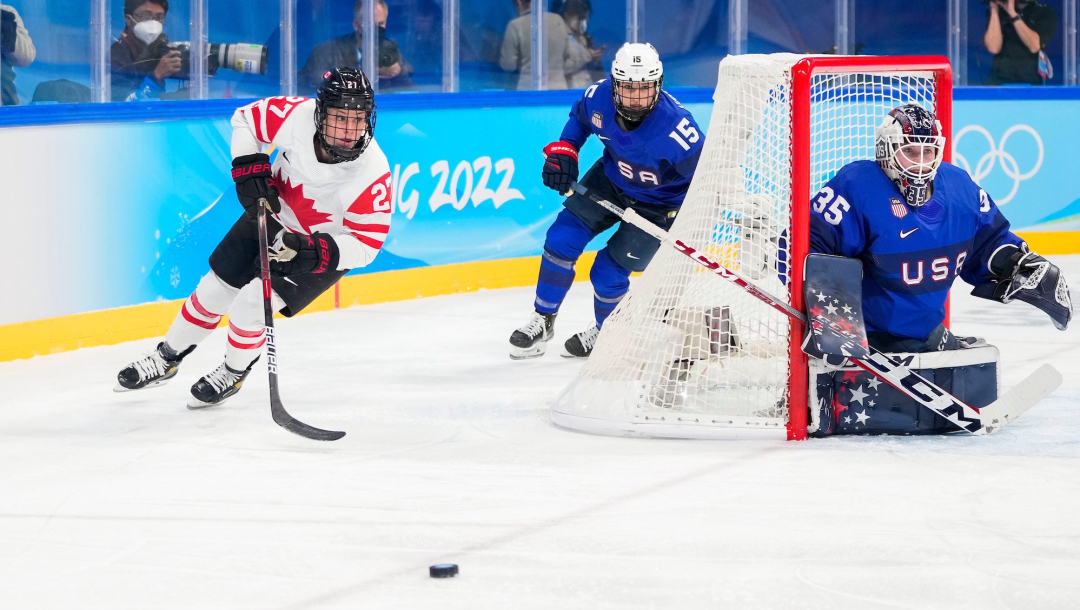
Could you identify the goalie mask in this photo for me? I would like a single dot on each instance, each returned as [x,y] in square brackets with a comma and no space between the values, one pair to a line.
[636,79]
[344,114]
[909,147]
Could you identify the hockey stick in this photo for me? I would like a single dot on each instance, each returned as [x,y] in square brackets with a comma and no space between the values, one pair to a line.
[277,409]
[987,420]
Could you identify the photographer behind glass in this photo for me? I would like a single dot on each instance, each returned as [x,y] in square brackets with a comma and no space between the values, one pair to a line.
[141,57]
[1017,32]
[345,51]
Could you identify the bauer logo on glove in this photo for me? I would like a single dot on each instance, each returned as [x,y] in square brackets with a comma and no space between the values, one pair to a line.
[296,253]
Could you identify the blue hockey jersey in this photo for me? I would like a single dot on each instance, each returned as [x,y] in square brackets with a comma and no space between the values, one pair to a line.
[910,255]
[655,162]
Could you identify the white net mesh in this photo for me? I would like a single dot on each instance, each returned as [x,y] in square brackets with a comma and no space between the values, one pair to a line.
[687,353]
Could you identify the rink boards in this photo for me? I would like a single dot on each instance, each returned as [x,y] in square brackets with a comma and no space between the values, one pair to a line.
[110,242]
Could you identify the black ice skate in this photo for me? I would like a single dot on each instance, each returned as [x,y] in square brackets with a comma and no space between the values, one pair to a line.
[530,340]
[581,344]
[155,368]
[217,387]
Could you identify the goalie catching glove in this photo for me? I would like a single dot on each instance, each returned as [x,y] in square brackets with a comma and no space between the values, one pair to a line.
[560,166]
[254,180]
[1026,276]
[296,253]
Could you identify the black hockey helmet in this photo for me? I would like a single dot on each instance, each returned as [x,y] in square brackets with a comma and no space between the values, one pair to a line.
[348,89]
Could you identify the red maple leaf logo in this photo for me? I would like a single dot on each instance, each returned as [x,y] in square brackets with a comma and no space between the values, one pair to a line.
[303,207]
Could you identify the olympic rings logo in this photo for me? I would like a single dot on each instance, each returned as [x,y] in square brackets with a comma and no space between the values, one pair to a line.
[998,154]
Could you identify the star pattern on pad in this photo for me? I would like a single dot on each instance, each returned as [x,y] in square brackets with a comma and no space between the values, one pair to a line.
[834,331]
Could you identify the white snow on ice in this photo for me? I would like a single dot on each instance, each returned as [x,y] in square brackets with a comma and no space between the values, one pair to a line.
[132,501]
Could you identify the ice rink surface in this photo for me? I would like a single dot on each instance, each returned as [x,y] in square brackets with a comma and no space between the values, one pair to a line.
[118,501]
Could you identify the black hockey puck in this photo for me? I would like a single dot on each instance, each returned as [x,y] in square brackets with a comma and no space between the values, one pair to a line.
[443,570]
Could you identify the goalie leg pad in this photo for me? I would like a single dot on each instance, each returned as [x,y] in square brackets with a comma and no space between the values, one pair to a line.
[848,400]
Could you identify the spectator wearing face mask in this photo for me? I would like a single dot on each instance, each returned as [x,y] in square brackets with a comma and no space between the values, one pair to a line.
[576,14]
[141,58]
[1017,32]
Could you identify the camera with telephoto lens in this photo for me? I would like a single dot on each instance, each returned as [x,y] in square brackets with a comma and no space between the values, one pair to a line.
[241,56]
[389,54]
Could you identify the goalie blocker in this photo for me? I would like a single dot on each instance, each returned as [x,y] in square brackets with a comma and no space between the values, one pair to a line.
[844,398]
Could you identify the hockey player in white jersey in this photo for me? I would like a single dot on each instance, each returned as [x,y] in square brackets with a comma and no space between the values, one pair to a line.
[329,192]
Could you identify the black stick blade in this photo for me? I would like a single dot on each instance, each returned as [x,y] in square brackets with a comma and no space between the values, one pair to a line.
[290,423]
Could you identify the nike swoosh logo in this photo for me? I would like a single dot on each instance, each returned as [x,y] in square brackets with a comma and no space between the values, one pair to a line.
[602,137]
[637,258]
[904,234]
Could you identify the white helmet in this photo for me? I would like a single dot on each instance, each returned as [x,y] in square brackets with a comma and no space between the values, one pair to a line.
[909,147]
[638,72]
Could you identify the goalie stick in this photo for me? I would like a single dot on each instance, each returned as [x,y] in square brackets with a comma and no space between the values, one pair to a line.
[277,409]
[986,420]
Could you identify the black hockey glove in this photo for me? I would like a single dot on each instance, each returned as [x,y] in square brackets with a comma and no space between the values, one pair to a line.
[1028,277]
[560,166]
[7,31]
[296,253]
[253,178]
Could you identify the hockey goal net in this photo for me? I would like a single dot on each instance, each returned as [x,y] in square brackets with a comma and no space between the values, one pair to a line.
[689,355]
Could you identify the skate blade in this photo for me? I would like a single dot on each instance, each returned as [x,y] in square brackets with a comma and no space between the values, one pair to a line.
[525,353]
[566,354]
[195,404]
[120,388]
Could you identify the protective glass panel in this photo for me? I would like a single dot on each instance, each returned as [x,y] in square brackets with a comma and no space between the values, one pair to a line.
[1013,63]
[900,27]
[413,40]
[326,37]
[489,58]
[691,37]
[792,26]
[243,55]
[46,54]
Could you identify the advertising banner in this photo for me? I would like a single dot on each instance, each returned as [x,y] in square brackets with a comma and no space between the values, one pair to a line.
[105,215]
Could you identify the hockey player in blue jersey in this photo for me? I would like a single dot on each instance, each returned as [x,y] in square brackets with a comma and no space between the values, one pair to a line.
[651,149]
[917,223]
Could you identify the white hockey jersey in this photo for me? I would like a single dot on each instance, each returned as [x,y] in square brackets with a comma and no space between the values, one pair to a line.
[350,201]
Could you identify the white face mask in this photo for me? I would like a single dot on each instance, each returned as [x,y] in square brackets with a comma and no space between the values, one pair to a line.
[584,25]
[147,31]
